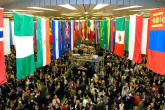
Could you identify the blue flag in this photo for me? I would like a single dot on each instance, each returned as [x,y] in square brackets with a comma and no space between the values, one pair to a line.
[11,40]
[64,39]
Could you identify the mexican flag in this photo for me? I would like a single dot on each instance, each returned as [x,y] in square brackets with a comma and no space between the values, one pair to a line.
[43,50]
[120,36]
[23,31]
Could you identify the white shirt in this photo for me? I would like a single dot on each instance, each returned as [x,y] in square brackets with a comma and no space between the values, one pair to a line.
[85,101]
[121,106]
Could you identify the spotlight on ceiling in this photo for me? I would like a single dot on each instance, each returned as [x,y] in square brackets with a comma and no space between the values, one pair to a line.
[129,7]
[86,13]
[40,8]
[99,6]
[68,7]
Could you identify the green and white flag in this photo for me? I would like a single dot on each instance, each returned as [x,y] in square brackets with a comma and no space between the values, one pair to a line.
[23,31]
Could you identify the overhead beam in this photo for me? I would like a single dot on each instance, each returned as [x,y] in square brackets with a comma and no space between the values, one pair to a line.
[42,3]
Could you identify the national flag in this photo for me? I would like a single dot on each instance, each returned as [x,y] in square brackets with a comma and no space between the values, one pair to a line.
[108,37]
[50,33]
[127,35]
[111,36]
[2,59]
[102,33]
[72,36]
[23,31]
[79,39]
[35,33]
[88,29]
[6,36]
[114,32]
[92,30]
[136,27]
[148,34]
[48,53]
[13,36]
[56,32]
[144,36]
[120,36]
[11,41]
[43,50]
[156,50]
[83,30]
[76,27]
[64,39]
[97,31]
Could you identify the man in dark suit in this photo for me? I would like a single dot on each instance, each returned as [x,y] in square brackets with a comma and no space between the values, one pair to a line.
[94,97]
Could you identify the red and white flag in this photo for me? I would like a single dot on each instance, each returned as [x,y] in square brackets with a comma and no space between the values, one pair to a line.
[135,37]
[2,59]
[144,36]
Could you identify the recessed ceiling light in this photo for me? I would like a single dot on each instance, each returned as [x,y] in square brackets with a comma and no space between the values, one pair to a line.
[99,6]
[96,15]
[27,11]
[7,12]
[70,14]
[68,7]
[40,8]
[85,12]
[129,7]
[144,9]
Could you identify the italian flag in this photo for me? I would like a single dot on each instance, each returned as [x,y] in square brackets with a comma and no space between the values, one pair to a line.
[23,31]
[120,36]
[135,38]
[43,50]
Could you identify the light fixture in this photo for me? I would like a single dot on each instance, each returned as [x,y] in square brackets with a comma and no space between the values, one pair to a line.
[7,12]
[99,6]
[26,11]
[82,17]
[68,7]
[70,14]
[146,13]
[40,8]
[103,14]
[96,15]
[129,7]
[86,13]
[144,9]
[69,17]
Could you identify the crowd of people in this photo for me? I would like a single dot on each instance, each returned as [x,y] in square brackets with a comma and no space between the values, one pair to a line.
[123,85]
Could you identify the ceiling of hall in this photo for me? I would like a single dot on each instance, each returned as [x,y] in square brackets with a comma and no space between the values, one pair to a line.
[8,2]
[64,13]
